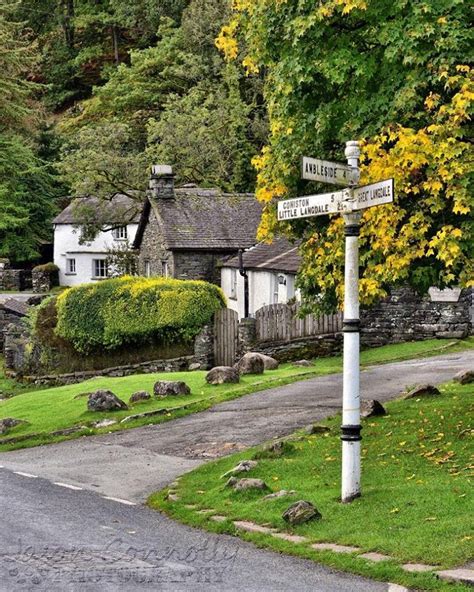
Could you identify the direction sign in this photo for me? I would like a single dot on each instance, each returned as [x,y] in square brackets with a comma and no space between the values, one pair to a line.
[336,173]
[314,205]
[375,194]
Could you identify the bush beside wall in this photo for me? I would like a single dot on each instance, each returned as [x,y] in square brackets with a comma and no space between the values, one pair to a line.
[135,310]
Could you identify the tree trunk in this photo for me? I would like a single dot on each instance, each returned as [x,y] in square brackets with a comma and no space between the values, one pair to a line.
[68,21]
[115,42]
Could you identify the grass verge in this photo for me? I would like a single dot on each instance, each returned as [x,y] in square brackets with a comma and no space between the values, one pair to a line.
[416,504]
[61,408]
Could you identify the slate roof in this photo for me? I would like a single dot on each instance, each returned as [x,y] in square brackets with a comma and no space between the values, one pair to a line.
[119,209]
[16,306]
[280,255]
[205,219]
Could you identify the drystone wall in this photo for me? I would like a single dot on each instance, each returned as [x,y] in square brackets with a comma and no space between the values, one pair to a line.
[406,316]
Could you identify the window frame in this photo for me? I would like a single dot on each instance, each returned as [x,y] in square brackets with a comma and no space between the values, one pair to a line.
[233,284]
[100,264]
[71,268]
[120,233]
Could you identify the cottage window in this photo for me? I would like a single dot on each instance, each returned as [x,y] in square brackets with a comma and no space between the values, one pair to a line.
[164,268]
[147,269]
[99,268]
[71,266]
[276,289]
[120,233]
[233,284]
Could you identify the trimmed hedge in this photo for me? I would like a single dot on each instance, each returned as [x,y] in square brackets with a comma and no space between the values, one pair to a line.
[135,310]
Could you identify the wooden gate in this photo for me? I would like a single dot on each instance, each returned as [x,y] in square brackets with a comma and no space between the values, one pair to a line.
[226,323]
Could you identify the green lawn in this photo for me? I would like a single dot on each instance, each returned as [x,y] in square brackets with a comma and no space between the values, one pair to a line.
[57,408]
[416,504]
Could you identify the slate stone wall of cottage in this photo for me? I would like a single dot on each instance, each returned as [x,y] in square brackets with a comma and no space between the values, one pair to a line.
[154,251]
[198,265]
[405,316]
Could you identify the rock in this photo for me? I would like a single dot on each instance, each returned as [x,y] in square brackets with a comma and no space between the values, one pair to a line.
[278,494]
[300,512]
[139,396]
[464,377]
[371,408]
[10,422]
[104,400]
[316,429]
[194,366]
[421,390]
[163,388]
[269,363]
[274,450]
[104,423]
[246,484]
[243,467]
[250,363]
[303,363]
[223,374]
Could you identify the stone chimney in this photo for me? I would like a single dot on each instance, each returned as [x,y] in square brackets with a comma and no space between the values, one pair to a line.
[161,185]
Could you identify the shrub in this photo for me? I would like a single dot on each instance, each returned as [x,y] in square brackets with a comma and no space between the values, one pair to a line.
[47,267]
[135,310]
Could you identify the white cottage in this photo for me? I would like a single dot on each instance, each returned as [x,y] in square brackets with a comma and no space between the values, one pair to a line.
[269,270]
[83,262]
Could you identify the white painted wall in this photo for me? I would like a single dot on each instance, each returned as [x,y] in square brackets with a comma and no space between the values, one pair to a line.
[66,246]
[263,289]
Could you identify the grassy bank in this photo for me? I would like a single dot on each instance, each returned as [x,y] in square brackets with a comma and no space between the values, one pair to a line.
[416,504]
[61,408]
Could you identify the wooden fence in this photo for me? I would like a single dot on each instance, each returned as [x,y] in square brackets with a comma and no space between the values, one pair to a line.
[280,322]
[226,323]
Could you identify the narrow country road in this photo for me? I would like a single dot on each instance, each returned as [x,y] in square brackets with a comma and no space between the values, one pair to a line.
[71,510]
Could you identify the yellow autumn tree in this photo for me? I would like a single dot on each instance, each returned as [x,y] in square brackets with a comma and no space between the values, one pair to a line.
[393,79]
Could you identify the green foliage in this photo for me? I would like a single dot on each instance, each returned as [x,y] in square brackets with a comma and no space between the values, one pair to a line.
[393,74]
[175,101]
[130,310]
[47,267]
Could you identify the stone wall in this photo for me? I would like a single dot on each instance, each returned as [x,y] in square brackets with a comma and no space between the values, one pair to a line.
[405,316]
[199,265]
[16,280]
[153,250]
[43,280]
[171,365]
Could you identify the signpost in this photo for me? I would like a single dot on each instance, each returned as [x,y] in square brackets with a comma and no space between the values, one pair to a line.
[314,169]
[348,202]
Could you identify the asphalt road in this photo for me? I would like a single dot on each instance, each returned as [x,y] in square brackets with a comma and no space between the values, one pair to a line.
[57,539]
[58,531]
[133,463]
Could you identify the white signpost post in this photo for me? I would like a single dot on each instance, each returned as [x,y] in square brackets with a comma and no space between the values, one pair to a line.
[348,202]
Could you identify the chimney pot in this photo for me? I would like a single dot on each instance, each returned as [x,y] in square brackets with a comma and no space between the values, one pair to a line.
[161,185]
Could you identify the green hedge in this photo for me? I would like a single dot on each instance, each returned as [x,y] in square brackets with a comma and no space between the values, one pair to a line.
[135,310]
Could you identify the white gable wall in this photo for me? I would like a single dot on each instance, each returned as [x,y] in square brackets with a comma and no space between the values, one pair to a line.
[264,289]
[66,246]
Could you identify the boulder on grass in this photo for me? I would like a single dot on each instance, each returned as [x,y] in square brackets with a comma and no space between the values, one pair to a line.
[371,408]
[300,512]
[246,484]
[250,363]
[163,388]
[464,377]
[269,363]
[10,422]
[139,396]
[222,374]
[274,450]
[421,390]
[243,467]
[304,363]
[315,428]
[104,400]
